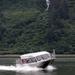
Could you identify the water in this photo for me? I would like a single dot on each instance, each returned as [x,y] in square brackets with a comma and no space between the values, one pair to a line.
[8,67]
[48,4]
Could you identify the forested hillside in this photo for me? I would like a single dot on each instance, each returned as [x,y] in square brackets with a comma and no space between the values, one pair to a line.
[25,26]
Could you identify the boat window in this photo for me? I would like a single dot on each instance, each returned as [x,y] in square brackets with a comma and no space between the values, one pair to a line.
[29,60]
[45,56]
[24,61]
[33,59]
[42,57]
[38,58]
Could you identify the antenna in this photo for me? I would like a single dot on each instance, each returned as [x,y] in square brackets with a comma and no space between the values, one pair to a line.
[54,51]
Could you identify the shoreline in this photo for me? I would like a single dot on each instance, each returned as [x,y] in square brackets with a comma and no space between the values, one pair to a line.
[9,56]
[57,56]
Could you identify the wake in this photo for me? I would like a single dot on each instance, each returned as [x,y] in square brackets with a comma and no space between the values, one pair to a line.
[7,68]
[20,68]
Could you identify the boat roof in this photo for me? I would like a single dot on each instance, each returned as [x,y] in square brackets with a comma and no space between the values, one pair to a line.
[33,54]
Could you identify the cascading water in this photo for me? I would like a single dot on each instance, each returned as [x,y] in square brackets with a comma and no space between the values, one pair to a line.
[48,4]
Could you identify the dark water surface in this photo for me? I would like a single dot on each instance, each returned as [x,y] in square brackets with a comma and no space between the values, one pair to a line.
[62,68]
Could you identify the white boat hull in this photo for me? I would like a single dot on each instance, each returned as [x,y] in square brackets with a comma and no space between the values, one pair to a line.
[38,59]
[41,64]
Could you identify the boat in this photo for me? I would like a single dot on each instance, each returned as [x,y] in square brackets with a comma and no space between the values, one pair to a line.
[39,59]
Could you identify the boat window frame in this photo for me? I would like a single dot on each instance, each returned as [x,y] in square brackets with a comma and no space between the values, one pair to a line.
[42,57]
[29,60]
[35,59]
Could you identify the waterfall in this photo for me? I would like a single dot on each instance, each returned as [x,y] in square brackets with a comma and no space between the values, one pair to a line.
[47,3]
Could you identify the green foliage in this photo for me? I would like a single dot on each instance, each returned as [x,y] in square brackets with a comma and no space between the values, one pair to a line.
[25,26]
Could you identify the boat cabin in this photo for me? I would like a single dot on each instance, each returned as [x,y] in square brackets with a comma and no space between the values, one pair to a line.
[34,57]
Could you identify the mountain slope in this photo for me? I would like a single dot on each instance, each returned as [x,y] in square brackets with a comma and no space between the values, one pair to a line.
[25,26]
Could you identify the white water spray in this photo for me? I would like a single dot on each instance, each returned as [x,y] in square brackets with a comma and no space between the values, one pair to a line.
[20,68]
[7,68]
[48,4]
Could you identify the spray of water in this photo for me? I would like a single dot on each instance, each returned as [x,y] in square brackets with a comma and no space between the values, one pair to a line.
[7,68]
[48,4]
[20,68]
